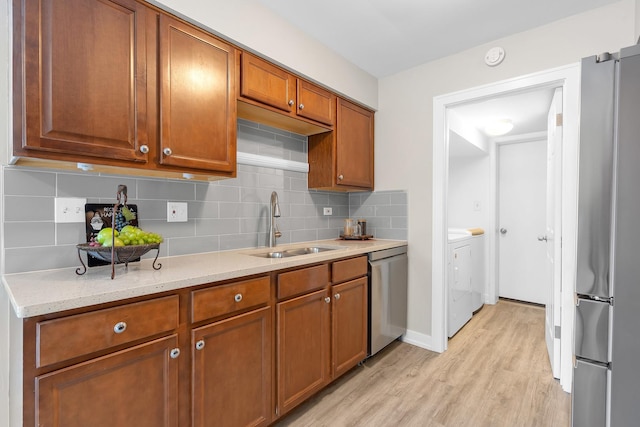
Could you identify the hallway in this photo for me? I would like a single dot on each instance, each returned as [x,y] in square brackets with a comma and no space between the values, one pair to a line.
[495,373]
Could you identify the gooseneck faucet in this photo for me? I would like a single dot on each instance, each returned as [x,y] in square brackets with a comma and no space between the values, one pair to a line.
[274,212]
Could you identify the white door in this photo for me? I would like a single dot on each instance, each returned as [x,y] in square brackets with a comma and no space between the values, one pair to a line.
[551,240]
[521,219]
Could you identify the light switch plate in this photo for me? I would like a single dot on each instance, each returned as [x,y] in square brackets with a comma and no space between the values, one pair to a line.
[177,212]
[69,209]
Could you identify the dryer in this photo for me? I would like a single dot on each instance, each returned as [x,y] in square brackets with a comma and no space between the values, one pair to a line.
[459,291]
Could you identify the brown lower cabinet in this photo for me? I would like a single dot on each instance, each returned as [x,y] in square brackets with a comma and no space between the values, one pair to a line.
[132,387]
[237,353]
[232,371]
[349,325]
[303,348]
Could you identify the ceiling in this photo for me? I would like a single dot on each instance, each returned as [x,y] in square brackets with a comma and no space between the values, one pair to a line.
[527,110]
[384,37]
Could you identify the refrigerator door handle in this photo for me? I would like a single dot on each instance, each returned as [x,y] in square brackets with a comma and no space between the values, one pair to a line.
[592,330]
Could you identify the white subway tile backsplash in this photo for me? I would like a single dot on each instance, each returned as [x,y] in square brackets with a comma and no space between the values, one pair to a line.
[223,215]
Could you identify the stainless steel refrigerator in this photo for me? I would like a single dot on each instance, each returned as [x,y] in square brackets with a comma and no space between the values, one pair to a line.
[606,380]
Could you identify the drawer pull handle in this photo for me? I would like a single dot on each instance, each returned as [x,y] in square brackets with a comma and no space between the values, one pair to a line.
[120,327]
[327,300]
[175,353]
[337,296]
[301,106]
[238,297]
[200,345]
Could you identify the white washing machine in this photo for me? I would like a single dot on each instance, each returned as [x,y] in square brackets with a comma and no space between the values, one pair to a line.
[460,307]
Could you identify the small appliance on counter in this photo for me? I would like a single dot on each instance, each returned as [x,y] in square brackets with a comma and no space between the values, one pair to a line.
[355,230]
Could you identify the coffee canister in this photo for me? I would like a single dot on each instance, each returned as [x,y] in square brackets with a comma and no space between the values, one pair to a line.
[363,226]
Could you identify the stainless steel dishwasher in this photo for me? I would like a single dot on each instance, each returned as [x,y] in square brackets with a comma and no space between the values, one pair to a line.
[387,297]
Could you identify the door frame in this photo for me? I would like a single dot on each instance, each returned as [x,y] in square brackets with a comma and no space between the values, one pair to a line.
[567,77]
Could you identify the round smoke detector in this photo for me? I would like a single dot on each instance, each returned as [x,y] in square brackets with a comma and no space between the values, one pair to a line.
[494,56]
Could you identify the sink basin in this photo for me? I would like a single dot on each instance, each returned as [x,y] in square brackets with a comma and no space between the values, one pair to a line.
[275,254]
[309,250]
[292,252]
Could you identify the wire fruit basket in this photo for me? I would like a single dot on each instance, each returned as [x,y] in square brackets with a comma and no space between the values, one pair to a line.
[117,254]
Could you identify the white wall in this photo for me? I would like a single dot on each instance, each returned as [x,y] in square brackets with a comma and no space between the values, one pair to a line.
[405,117]
[470,182]
[253,25]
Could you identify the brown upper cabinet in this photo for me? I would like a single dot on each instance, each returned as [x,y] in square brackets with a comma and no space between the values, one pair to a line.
[84,79]
[125,87]
[197,101]
[88,82]
[266,85]
[342,160]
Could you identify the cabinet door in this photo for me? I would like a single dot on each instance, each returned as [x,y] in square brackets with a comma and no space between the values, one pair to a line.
[266,83]
[197,99]
[354,145]
[303,333]
[315,103]
[349,324]
[136,387]
[232,371]
[84,91]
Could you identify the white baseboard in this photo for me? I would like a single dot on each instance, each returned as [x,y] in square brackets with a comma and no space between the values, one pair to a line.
[418,339]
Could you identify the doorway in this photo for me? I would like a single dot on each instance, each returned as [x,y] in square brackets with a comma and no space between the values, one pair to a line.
[568,79]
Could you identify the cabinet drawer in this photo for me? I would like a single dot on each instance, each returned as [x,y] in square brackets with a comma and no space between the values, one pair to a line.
[341,271]
[226,299]
[82,334]
[301,281]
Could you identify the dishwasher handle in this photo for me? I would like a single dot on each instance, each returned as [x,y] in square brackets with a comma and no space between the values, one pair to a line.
[386,253]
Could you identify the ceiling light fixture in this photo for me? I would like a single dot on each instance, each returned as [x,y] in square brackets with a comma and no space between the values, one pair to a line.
[498,127]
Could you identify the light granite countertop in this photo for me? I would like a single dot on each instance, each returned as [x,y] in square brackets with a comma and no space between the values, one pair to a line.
[49,291]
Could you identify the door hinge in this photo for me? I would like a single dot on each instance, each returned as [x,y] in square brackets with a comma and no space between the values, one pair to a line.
[559,119]
[557,332]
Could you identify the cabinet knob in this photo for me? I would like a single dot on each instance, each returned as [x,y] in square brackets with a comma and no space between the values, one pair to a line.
[291,102]
[174,353]
[301,106]
[327,300]
[144,149]
[337,296]
[167,151]
[200,345]
[120,327]
[340,177]
[238,297]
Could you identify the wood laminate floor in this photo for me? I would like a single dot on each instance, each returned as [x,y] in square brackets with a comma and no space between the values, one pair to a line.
[496,373]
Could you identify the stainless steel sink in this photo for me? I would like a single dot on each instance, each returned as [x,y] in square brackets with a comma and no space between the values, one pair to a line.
[292,252]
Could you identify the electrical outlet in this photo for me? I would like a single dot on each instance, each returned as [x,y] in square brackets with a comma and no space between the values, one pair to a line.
[327,211]
[176,212]
[69,209]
